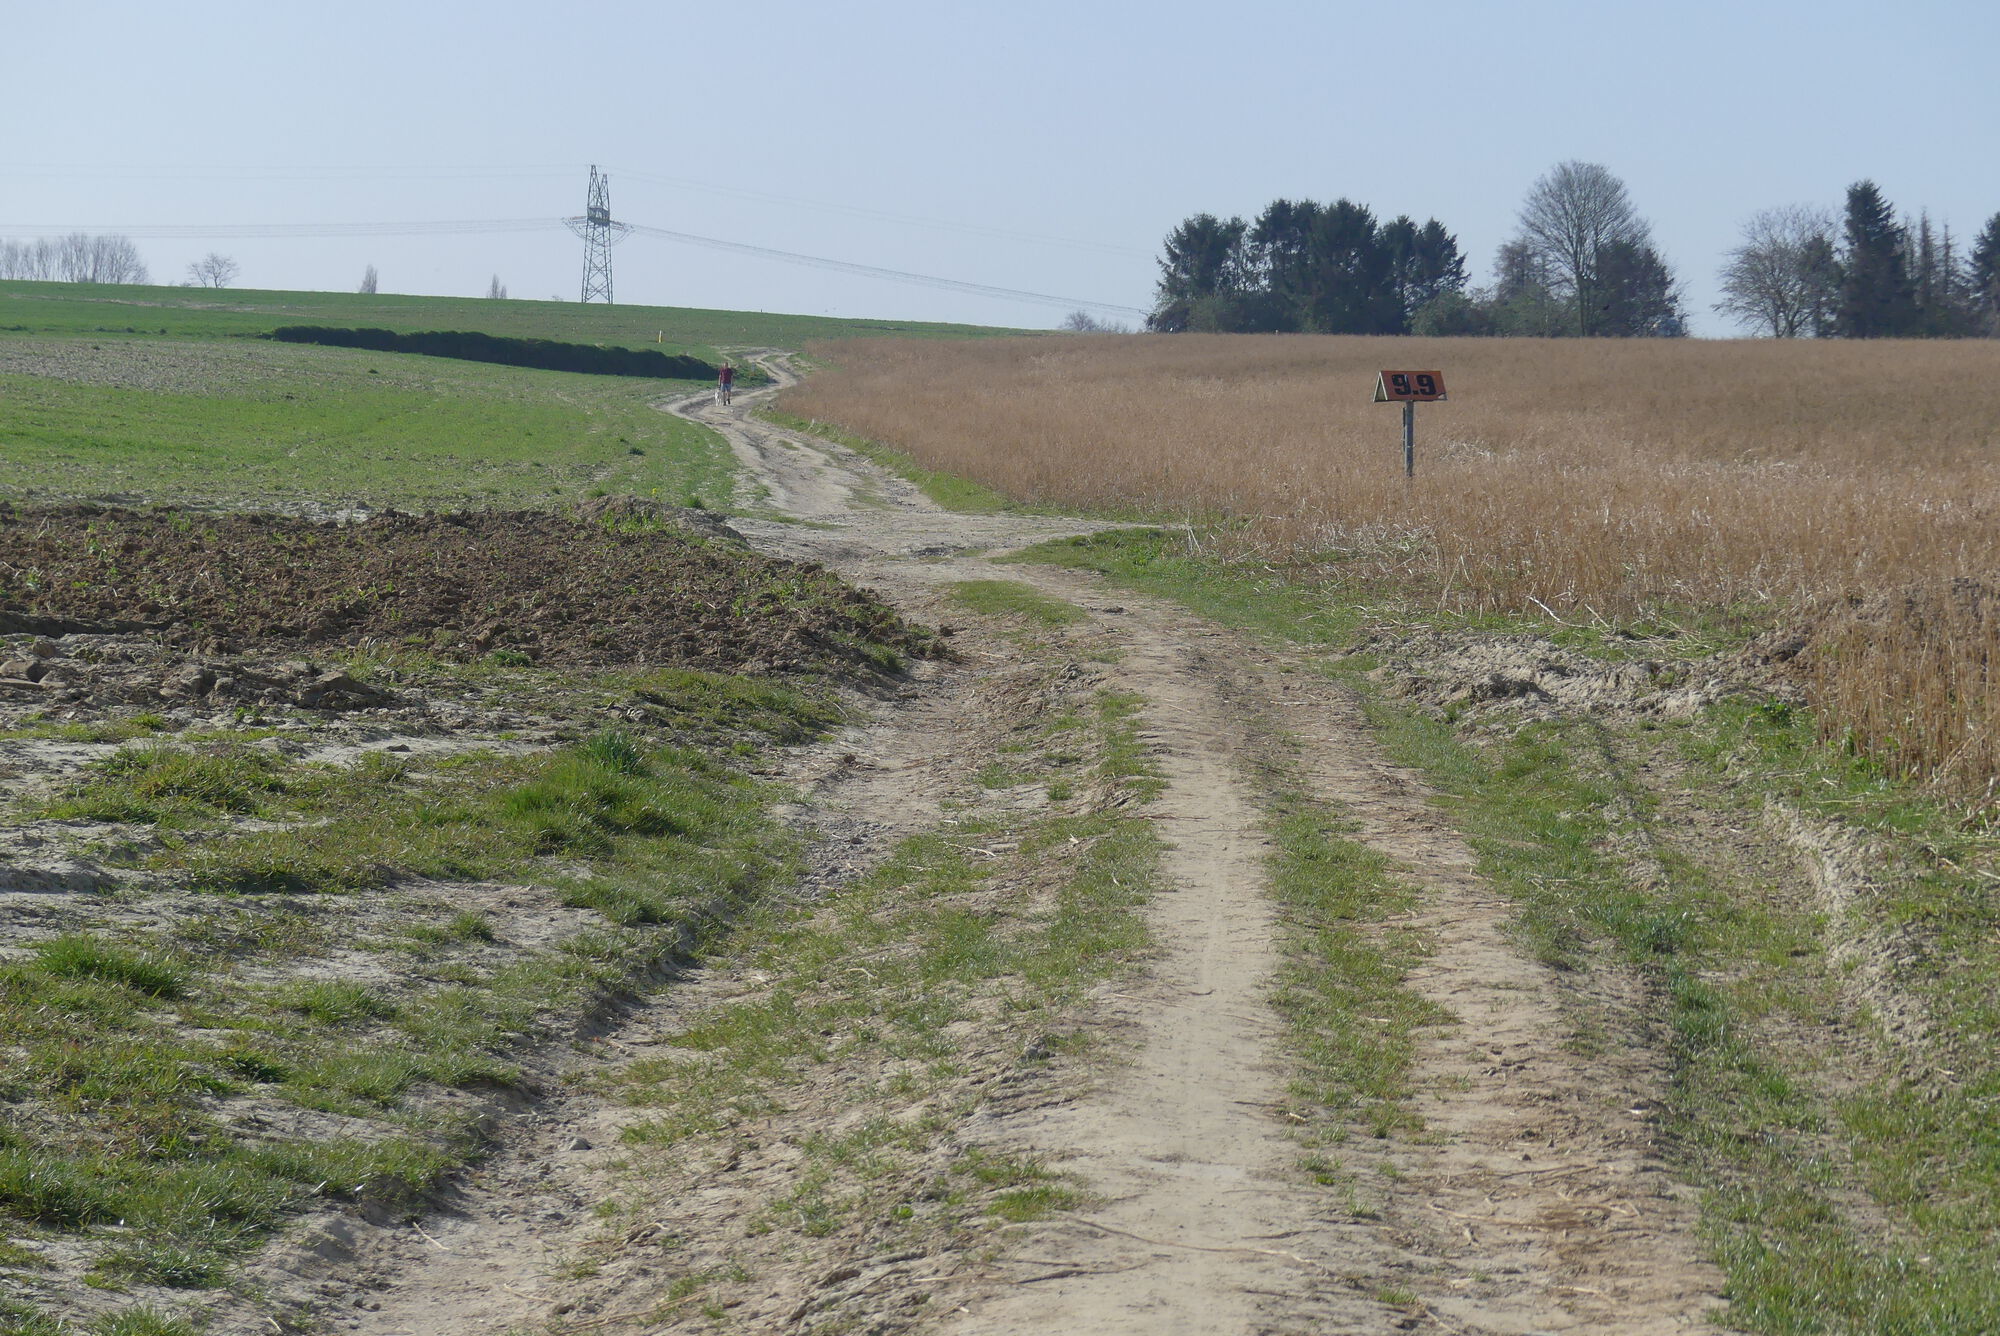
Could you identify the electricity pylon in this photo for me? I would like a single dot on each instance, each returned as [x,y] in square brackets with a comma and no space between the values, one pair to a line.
[599,235]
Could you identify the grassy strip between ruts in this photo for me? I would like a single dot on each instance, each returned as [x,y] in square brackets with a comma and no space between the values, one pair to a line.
[177,1086]
[970,949]
[1853,1185]
[1341,988]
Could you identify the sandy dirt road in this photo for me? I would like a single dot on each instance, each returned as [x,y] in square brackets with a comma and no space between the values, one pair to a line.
[1534,1198]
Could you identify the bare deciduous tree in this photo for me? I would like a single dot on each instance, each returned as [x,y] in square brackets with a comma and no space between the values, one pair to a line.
[213,270]
[1570,215]
[1782,280]
[496,289]
[34,260]
[83,258]
[1083,322]
[369,281]
[118,261]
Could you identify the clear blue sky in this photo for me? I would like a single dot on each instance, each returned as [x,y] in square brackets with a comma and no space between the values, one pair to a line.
[1029,145]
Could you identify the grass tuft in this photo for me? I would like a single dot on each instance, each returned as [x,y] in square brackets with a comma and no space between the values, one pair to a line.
[1012,598]
[80,956]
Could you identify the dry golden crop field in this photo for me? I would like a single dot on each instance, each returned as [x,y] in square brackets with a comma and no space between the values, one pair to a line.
[1597,478]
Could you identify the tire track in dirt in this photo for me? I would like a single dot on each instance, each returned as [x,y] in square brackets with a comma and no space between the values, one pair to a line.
[1533,1202]
[1201,1216]
[1542,1169]
[1536,1200]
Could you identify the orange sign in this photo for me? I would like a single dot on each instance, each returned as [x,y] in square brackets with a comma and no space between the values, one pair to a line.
[1393,387]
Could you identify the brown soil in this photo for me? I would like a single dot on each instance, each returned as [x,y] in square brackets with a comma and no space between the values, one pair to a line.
[634,590]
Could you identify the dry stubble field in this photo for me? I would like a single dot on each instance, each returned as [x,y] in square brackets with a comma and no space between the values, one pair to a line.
[1842,490]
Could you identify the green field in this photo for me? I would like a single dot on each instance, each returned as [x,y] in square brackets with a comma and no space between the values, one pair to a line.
[139,394]
[68,309]
[313,429]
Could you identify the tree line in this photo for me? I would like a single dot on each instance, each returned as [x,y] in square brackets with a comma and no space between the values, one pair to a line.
[1304,267]
[76,258]
[1801,273]
[108,258]
[1580,263]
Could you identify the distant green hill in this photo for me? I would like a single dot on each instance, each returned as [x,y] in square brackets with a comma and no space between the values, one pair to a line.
[143,394]
[64,309]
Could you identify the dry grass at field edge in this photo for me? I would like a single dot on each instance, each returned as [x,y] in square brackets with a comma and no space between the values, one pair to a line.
[1596,479]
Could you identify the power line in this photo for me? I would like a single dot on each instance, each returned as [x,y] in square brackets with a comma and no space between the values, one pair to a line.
[876,271]
[483,227]
[458,227]
[468,172]
[154,171]
[859,211]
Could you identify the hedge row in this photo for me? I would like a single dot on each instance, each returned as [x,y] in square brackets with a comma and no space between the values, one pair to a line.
[472,347]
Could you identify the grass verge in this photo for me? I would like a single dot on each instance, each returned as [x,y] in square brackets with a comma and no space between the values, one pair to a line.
[1851,1173]
[298,1016]
[1341,990]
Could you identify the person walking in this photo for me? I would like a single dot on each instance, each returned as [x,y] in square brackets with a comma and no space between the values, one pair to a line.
[725,381]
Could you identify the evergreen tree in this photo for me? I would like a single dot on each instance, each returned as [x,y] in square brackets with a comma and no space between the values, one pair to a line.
[1637,296]
[1958,317]
[1983,278]
[1877,296]
[1925,283]
[1937,282]
[1820,264]
[1281,251]
[1348,274]
[1204,259]
[1424,265]
[1304,266]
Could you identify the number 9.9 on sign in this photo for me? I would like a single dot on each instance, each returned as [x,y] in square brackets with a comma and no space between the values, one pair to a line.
[1409,386]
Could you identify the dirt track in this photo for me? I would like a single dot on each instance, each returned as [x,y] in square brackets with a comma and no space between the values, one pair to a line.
[1532,1201]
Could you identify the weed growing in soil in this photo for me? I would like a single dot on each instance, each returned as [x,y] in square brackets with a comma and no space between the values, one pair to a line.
[704,708]
[140,1320]
[168,783]
[674,813]
[1243,593]
[81,956]
[1012,598]
[1027,1190]
[140,725]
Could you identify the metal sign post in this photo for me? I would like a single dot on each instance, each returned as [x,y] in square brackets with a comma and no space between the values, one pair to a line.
[1409,388]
